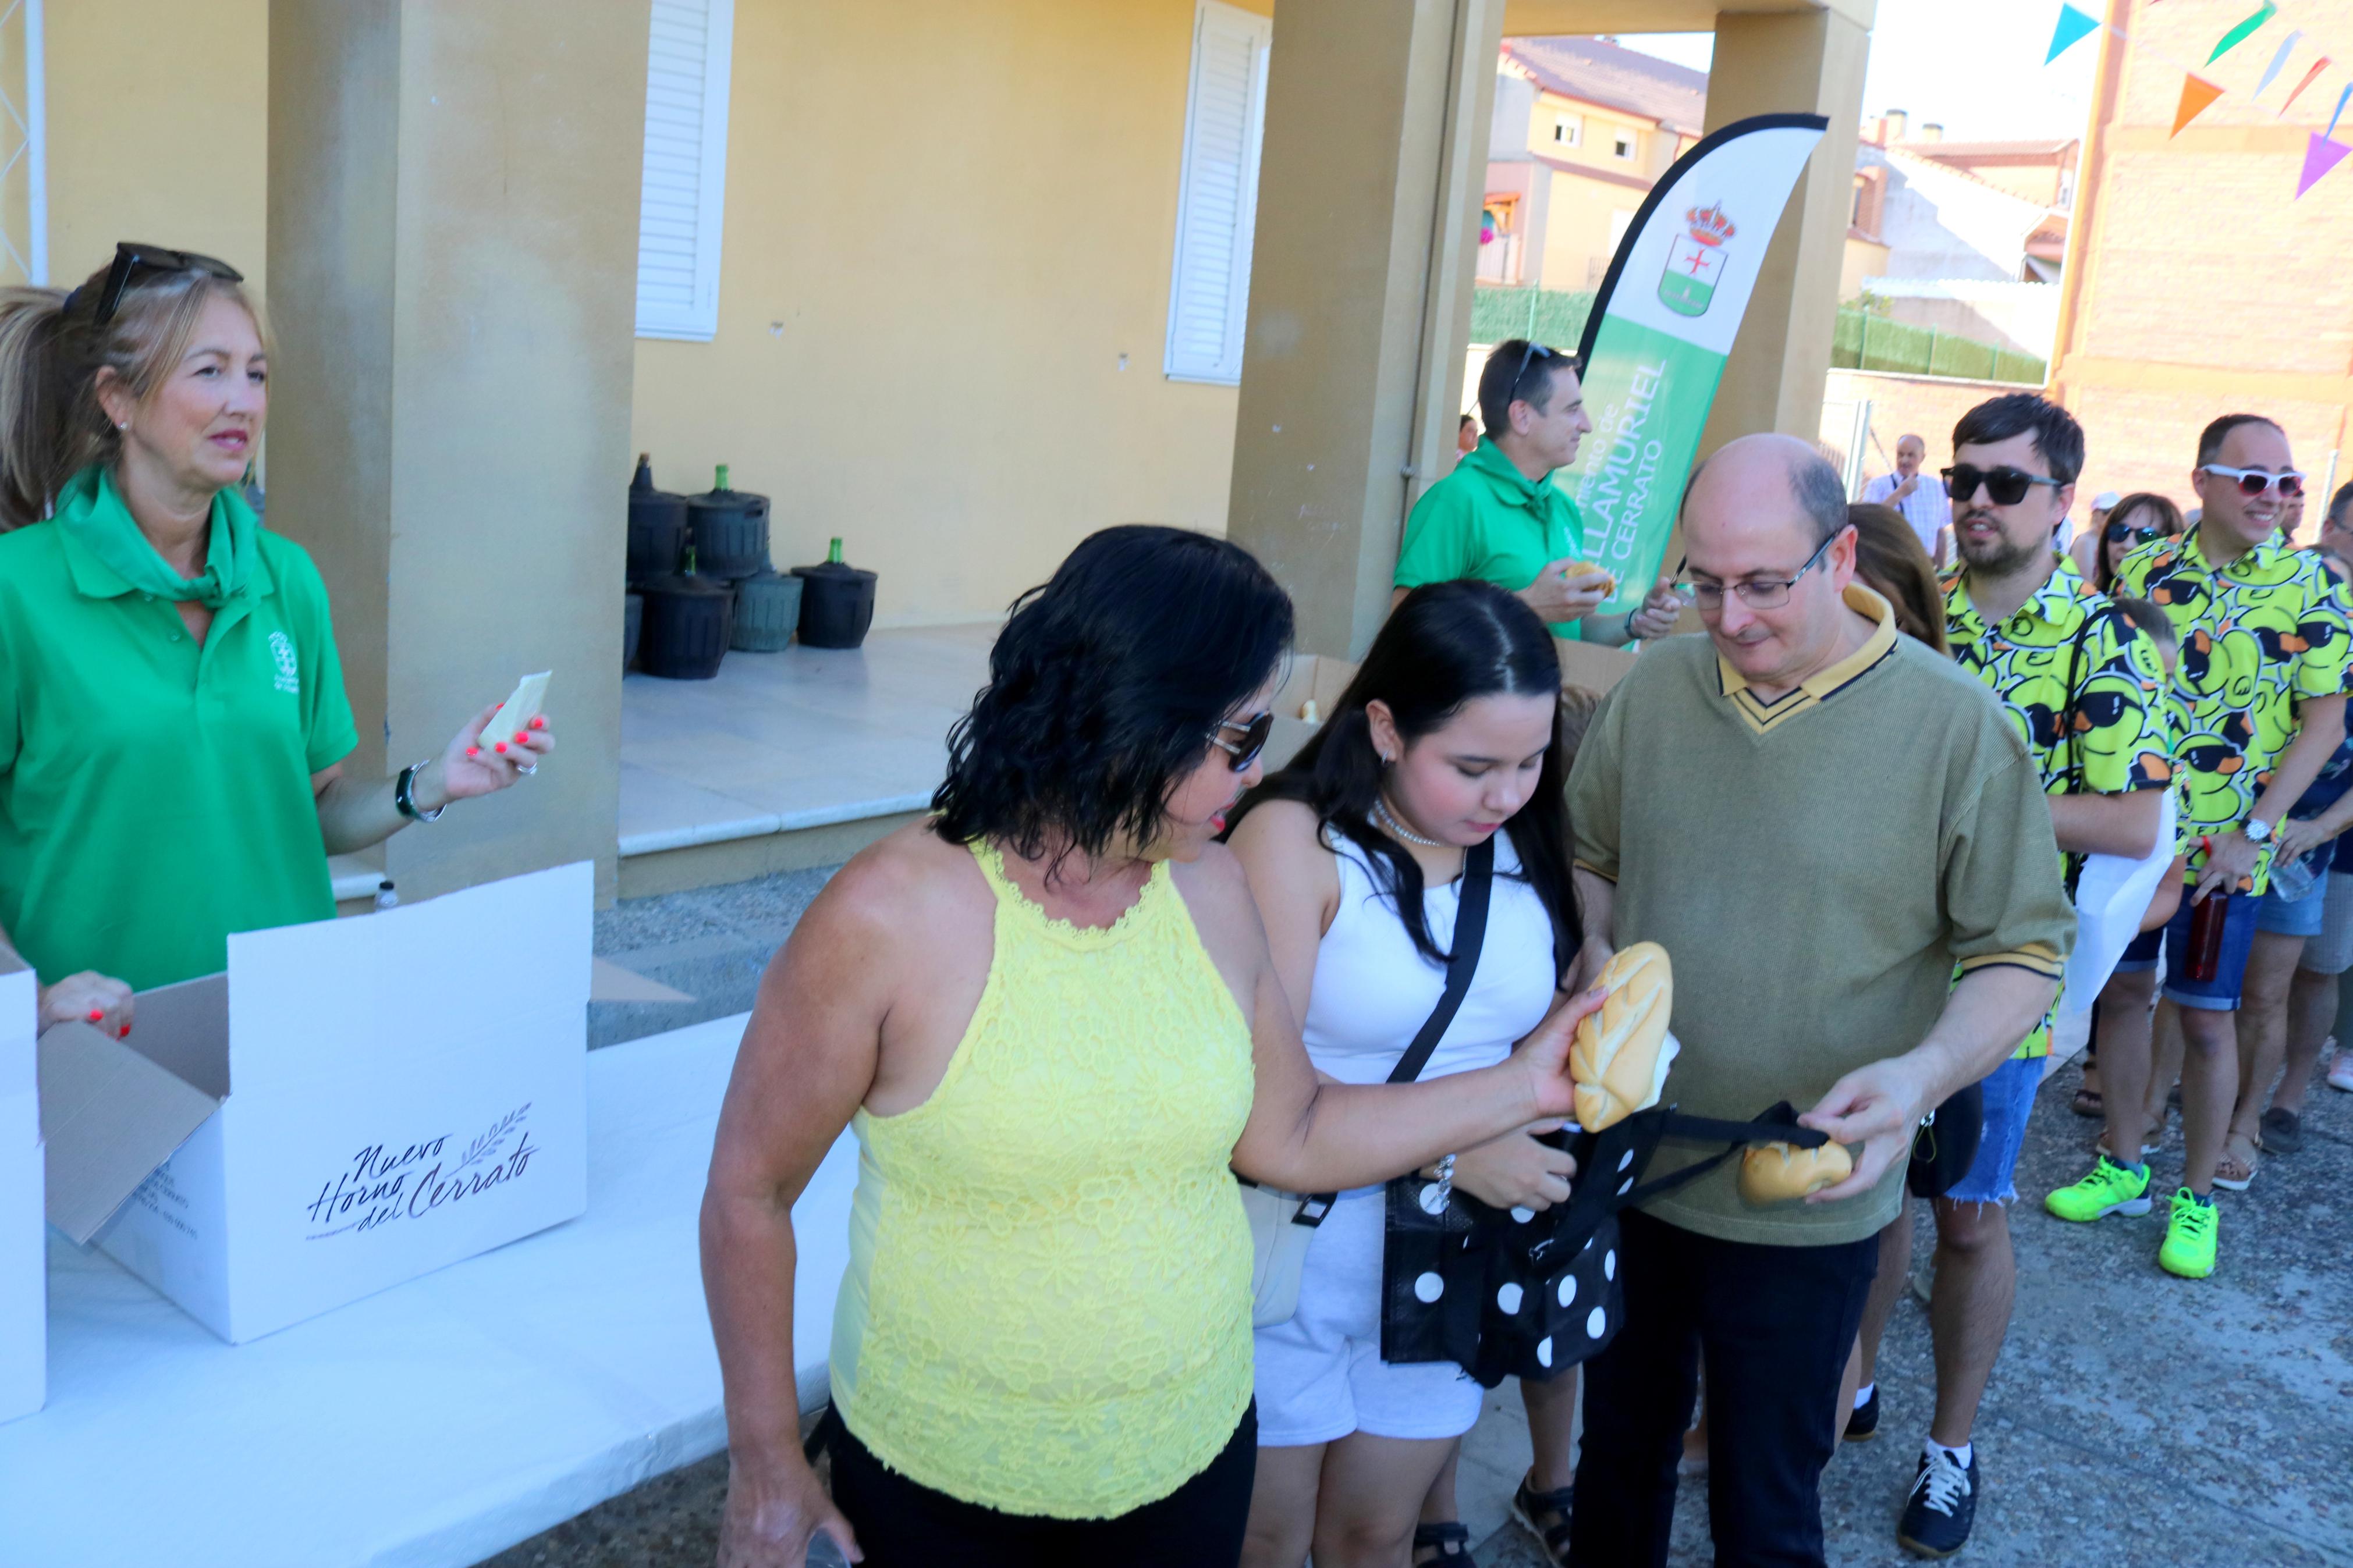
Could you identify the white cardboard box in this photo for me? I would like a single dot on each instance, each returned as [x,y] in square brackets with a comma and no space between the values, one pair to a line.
[23,1257]
[354,1103]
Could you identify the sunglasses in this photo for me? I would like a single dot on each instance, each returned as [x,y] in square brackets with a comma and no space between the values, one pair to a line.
[135,263]
[1535,351]
[2118,532]
[2253,482]
[1253,732]
[2005,485]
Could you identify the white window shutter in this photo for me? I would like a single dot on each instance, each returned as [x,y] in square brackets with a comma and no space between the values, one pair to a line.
[682,198]
[1217,195]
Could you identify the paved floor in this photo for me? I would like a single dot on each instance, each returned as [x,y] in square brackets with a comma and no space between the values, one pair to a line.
[2134,1419]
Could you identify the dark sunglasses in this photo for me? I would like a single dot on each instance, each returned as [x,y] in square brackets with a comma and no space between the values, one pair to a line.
[1253,731]
[1535,351]
[2006,485]
[2118,532]
[134,263]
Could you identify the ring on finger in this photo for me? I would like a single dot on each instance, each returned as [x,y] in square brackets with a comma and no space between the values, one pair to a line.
[522,772]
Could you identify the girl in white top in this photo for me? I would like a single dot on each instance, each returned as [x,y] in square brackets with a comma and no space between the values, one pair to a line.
[1448,737]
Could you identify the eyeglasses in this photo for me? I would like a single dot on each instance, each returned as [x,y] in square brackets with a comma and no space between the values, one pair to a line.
[1253,731]
[133,262]
[2253,482]
[2118,532]
[2005,486]
[1757,592]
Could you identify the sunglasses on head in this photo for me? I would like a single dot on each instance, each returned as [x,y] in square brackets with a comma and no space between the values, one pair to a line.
[1535,351]
[1252,734]
[133,264]
[2253,482]
[2007,486]
[2118,532]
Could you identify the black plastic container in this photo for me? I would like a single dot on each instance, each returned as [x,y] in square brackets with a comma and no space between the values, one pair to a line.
[657,526]
[729,530]
[688,621]
[768,608]
[633,621]
[836,602]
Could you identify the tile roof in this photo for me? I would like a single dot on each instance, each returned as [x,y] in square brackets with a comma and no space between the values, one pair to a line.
[1615,76]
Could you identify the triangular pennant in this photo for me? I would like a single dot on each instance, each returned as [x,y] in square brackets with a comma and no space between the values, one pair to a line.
[2287,47]
[2197,95]
[2238,35]
[2320,155]
[2339,113]
[2073,26]
[2309,77]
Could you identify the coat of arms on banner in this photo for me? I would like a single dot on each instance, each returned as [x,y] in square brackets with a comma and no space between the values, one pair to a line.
[1696,262]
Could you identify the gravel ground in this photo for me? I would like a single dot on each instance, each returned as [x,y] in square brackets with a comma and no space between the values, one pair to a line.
[2133,1419]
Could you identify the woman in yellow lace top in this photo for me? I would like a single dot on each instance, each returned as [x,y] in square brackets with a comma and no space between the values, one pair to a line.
[1049,1015]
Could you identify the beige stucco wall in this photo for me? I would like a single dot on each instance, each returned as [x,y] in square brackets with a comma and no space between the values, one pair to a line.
[158,118]
[1577,227]
[945,225]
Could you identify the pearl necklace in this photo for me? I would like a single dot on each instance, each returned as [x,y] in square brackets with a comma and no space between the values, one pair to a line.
[1388,822]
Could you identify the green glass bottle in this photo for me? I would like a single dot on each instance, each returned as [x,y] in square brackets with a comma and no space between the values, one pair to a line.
[833,552]
[721,482]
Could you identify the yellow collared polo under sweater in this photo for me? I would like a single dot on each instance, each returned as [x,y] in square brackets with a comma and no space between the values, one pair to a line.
[1816,867]
[1048,1305]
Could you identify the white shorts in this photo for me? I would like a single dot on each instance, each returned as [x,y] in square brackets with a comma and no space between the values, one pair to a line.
[1321,1376]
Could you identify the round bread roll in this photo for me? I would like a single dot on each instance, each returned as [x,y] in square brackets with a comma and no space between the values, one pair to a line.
[1619,1059]
[1777,1172]
[1578,570]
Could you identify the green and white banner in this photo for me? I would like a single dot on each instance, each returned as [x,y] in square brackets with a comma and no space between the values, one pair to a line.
[1661,329]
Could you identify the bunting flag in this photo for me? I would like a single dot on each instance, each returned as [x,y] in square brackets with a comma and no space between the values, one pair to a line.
[2239,34]
[2072,28]
[2338,112]
[2320,155]
[2288,45]
[2198,95]
[2318,67]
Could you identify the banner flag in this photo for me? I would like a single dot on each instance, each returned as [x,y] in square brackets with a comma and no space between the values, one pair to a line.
[2309,77]
[2338,112]
[2320,155]
[2197,94]
[2074,27]
[1661,329]
[2287,47]
[2238,35]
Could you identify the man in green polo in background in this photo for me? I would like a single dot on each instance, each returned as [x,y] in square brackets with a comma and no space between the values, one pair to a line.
[1499,518]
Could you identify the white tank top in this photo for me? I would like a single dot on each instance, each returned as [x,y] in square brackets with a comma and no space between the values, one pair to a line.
[1374,989]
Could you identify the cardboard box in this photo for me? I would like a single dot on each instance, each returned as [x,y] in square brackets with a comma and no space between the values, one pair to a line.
[23,1259]
[1314,678]
[354,1103]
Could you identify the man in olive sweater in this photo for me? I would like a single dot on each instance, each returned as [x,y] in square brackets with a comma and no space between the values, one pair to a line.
[1820,821]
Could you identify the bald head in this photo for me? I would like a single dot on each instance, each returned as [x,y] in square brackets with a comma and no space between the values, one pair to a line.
[1768,553]
[1745,471]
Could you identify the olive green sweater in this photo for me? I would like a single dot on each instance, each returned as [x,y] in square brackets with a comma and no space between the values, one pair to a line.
[1816,868]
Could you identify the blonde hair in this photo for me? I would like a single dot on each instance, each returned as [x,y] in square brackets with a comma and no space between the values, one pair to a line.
[51,351]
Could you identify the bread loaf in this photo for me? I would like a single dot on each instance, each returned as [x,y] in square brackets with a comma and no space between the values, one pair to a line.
[1777,1172]
[1619,1058]
[1578,570]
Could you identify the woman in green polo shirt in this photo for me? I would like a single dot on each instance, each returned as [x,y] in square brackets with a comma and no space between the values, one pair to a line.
[173,721]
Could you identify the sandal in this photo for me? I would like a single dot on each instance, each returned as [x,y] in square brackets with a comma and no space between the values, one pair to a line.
[1451,1540]
[1530,1507]
[2088,1105]
[2234,1173]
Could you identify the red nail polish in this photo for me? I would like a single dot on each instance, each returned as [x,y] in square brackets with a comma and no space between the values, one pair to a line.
[125,1033]
[501,747]
[539,723]
[473,751]
[520,737]
[96,1014]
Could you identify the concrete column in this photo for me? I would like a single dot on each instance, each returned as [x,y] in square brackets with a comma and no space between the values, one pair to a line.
[1791,62]
[1369,184]
[453,221]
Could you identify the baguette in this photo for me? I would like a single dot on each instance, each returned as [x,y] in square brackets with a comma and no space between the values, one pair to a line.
[1619,1058]
[1779,1173]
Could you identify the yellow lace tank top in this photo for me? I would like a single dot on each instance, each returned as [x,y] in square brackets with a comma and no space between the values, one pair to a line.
[1048,1305]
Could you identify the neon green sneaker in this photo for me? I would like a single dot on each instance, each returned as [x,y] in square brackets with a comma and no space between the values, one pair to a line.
[2110,1189]
[2189,1237]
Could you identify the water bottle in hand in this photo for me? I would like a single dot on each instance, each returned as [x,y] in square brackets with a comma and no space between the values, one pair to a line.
[2292,880]
[824,1553]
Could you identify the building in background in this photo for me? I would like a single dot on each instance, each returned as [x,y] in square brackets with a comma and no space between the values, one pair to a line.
[1584,128]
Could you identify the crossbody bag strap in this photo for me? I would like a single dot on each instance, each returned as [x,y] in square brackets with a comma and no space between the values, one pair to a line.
[1778,1125]
[2070,737]
[1470,935]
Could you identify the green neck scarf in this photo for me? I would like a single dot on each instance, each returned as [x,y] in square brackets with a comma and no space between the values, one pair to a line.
[92,510]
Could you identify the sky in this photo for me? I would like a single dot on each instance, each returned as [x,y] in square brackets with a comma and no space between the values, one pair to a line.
[1983,81]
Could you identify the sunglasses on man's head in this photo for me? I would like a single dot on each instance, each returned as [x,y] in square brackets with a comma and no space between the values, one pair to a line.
[2253,482]
[1253,736]
[2118,532]
[2007,486]
[134,263]
[1537,351]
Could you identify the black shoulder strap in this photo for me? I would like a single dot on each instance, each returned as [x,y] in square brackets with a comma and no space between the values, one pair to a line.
[1470,935]
[1778,1124]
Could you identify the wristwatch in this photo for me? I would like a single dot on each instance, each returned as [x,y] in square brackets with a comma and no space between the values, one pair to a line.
[2257,832]
[404,794]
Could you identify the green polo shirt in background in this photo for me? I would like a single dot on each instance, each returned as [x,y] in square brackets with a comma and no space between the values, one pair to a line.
[1488,520]
[154,796]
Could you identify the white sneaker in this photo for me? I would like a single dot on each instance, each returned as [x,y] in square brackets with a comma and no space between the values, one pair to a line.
[2340,1069]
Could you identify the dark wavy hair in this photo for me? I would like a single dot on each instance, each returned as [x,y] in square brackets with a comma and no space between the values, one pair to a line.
[2162,511]
[1105,688]
[1446,645]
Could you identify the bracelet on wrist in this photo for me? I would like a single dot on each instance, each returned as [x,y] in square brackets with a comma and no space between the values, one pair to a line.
[404,794]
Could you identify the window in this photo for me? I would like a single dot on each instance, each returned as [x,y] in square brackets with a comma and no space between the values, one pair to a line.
[1217,195]
[682,196]
[1623,145]
[1569,130]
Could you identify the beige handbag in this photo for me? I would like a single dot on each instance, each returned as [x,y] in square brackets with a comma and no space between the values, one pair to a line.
[1281,1226]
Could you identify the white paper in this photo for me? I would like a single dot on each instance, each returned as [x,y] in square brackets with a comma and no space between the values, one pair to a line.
[2111,897]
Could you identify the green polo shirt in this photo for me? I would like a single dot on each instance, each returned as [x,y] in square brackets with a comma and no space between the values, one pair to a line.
[155,796]
[1487,520]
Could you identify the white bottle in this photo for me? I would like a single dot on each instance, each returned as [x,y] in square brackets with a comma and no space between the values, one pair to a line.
[386,898]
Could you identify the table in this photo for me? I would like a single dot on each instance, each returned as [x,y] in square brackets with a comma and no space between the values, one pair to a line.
[439,1422]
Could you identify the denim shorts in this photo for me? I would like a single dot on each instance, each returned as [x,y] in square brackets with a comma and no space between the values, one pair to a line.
[2294,917]
[2008,1100]
[2331,952]
[2219,994]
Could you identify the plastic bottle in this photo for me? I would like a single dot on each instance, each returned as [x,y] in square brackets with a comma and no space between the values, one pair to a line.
[2207,919]
[824,1553]
[721,482]
[386,898]
[833,552]
[2292,880]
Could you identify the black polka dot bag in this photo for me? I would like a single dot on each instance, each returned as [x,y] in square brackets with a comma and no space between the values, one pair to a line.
[1527,1294]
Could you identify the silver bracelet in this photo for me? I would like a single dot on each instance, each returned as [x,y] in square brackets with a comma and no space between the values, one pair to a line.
[404,794]
[1445,1181]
